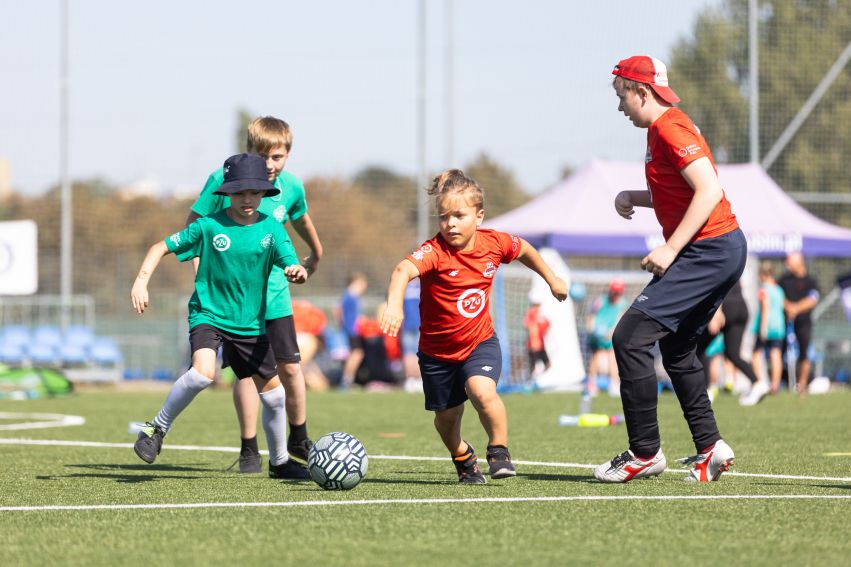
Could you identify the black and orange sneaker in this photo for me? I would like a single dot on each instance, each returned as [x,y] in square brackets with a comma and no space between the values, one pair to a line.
[467,466]
[499,462]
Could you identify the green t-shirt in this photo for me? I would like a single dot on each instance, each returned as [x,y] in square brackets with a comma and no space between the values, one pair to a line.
[235,261]
[288,204]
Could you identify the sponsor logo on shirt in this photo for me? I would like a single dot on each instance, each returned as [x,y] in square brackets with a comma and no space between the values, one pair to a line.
[175,239]
[280,213]
[221,242]
[689,150]
[267,241]
[471,303]
[453,273]
[515,242]
[421,252]
[489,270]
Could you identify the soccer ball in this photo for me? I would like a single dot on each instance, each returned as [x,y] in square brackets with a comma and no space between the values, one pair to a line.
[337,461]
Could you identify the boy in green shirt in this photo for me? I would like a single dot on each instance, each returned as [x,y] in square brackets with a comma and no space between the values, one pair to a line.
[237,248]
[271,138]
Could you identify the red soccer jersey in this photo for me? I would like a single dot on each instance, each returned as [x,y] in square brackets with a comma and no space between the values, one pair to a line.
[455,286]
[673,142]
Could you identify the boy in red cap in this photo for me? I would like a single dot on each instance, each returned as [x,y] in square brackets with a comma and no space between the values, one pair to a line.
[702,258]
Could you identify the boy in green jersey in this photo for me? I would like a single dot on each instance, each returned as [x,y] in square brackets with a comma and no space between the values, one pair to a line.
[237,249]
[271,138]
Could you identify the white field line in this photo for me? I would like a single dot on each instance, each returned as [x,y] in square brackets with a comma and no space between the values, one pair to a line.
[412,501]
[47,420]
[60,443]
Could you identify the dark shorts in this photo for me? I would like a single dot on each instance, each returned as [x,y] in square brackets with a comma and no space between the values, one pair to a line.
[767,344]
[689,293]
[803,334]
[536,355]
[248,355]
[282,339]
[355,342]
[443,382]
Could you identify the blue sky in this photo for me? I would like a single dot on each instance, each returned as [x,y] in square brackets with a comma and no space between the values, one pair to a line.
[155,86]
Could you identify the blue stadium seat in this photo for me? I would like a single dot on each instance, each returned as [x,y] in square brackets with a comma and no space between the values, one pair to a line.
[48,335]
[79,335]
[15,335]
[12,354]
[105,352]
[41,354]
[72,355]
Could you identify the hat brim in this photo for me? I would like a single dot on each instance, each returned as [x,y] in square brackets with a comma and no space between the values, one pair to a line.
[238,185]
[667,93]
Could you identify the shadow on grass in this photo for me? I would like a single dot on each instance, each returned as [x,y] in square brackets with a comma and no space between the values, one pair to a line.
[130,473]
[561,477]
[805,485]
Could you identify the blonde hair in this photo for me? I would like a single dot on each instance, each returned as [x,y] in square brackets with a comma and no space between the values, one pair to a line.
[455,182]
[630,85]
[766,269]
[266,133]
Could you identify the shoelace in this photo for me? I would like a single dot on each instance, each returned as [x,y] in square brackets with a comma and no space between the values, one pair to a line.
[149,428]
[621,460]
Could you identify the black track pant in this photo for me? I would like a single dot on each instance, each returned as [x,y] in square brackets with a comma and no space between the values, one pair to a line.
[634,338]
[733,334]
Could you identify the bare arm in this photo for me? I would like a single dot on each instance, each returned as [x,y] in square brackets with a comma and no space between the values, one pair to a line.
[530,258]
[700,175]
[626,201]
[305,229]
[391,319]
[139,291]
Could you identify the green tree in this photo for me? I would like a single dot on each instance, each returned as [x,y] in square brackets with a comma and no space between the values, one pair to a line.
[798,42]
[502,191]
[243,119]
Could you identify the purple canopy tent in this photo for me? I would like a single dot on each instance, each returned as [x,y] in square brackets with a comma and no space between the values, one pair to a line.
[578,217]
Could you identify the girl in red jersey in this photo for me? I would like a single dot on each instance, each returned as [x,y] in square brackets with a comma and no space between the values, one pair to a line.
[702,258]
[459,354]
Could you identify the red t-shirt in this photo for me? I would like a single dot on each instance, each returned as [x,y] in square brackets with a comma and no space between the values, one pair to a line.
[455,286]
[535,320]
[673,142]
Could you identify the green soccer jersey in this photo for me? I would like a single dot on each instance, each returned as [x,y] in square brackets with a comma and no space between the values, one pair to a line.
[235,261]
[289,204]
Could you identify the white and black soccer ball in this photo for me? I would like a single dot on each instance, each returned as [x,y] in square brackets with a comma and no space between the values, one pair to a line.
[337,461]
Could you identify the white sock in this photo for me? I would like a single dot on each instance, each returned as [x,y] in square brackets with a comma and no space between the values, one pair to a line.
[275,424]
[180,396]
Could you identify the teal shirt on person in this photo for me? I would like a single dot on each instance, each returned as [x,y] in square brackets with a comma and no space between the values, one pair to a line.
[235,261]
[776,315]
[289,204]
[606,317]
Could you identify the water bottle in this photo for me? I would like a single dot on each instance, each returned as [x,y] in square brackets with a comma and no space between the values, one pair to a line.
[567,420]
[585,403]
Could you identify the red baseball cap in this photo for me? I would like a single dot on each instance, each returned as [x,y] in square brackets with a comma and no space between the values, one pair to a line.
[646,69]
[617,286]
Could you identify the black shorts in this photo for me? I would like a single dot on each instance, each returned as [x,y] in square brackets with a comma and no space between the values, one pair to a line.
[803,334]
[536,355]
[248,355]
[443,382]
[690,291]
[355,342]
[282,339]
[767,344]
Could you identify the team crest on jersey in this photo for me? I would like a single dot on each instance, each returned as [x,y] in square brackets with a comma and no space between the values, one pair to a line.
[267,241]
[280,213]
[175,238]
[471,303]
[489,270]
[420,253]
[221,242]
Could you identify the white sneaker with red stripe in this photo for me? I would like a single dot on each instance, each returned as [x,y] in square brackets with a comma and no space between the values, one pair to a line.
[709,466]
[627,466]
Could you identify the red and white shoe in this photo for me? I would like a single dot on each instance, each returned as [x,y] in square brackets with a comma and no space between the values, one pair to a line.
[627,466]
[709,466]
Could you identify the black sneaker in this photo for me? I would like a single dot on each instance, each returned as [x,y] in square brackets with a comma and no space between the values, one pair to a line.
[149,442]
[299,450]
[250,462]
[289,470]
[499,461]
[467,466]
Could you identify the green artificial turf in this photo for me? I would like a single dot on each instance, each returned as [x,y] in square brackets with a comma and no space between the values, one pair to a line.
[407,523]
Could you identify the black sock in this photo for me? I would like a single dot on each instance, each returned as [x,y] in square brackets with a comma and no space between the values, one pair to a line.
[298,432]
[249,445]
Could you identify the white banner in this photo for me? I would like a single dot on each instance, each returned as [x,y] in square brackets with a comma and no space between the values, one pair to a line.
[18,257]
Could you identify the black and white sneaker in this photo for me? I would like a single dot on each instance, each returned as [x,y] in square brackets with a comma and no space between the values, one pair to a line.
[289,470]
[299,450]
[499,462]
[467,467]
[149,443]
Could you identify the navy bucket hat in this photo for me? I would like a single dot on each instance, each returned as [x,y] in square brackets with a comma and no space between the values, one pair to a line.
[246,172]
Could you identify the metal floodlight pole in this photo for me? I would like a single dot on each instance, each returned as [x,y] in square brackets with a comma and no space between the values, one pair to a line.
[753,57]
[422,173]
[449,69]
[66,216]
[807,108]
